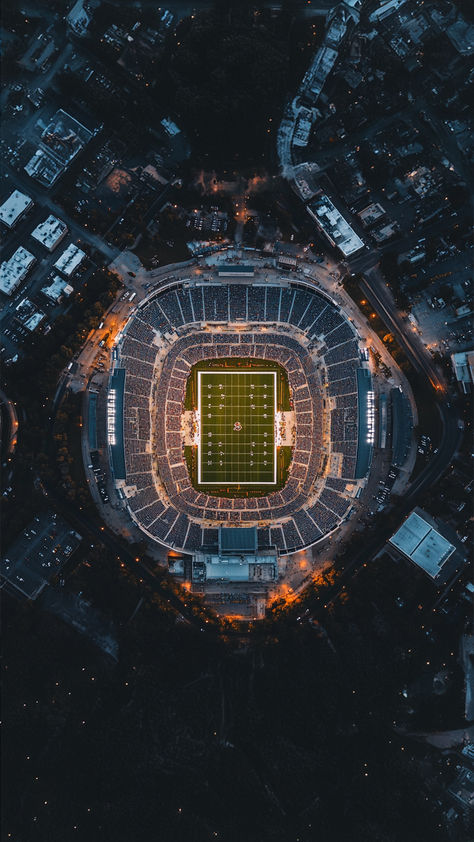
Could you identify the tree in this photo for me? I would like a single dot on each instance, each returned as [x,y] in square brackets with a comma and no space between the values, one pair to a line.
[226,78]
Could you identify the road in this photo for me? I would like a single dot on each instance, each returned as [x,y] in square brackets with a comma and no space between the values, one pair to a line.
[8,447]
[379,296]
[42,197]
[86,526]
[450,442]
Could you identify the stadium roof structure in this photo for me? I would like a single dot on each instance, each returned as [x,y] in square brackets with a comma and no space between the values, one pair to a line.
[14,270]
[419,539]
[238,539]
[14,207]
[225,271]
[50,232]
[335,226]
[366,422]
[115,422]
[70,260]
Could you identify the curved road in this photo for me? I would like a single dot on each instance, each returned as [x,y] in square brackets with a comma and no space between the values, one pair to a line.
[9,446]
[380,298]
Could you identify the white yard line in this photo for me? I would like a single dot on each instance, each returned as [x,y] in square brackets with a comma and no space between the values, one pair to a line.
[237,482]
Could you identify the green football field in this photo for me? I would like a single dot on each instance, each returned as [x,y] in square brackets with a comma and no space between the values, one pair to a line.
[237,427]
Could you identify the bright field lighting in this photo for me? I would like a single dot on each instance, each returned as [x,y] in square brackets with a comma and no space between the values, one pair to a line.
[237,441]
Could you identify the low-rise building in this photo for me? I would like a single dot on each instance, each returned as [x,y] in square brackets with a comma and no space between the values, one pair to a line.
[14,208]
[70,260]
[60,143]
[79,18]
[462,792]
[15,270]
[335,227]
[371,214]
[386,8]
[43,168]
[57,290]
[28,314]
[286,262]
[34,321]
[385,232]
[461,35]
[50,232]
[428,543]
[170,127]
[463,366]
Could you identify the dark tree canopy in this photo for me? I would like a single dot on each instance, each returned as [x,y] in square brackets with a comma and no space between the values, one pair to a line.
[227,84]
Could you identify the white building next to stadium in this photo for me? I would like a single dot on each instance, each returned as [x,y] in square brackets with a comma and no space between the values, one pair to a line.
[70,260]
[14,207]
[335,226]
[57,290]
[50,232]
[419,539]
[15,270]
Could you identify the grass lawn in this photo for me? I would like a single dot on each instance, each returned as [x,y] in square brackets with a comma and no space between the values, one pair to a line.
[237,401]
[237,440]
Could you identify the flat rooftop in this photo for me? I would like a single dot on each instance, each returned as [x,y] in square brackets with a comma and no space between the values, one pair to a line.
[50,232]
[463,364]
[225,271]
[57,288]
[44,168]
[64,137]
[335,226]
[34,321]
[115,422]
[14,270]
[366,422]
[421,542]
[237,539]
[14,207]
[235,567]
[70,260]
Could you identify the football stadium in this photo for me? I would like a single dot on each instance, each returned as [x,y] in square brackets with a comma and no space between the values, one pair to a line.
[239,403]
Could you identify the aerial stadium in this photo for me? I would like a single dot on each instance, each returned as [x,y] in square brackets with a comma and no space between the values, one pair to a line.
[239,408]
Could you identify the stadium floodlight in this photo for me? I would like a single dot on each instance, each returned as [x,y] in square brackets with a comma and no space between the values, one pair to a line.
[111,416]
[370,413]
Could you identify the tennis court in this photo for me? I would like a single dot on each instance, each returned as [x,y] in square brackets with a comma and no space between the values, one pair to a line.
[237,427]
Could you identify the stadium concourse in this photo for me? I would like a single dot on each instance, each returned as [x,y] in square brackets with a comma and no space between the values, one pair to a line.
[286,322]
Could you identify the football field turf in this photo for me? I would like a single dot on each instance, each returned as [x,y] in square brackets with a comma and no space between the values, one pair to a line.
[237,427]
